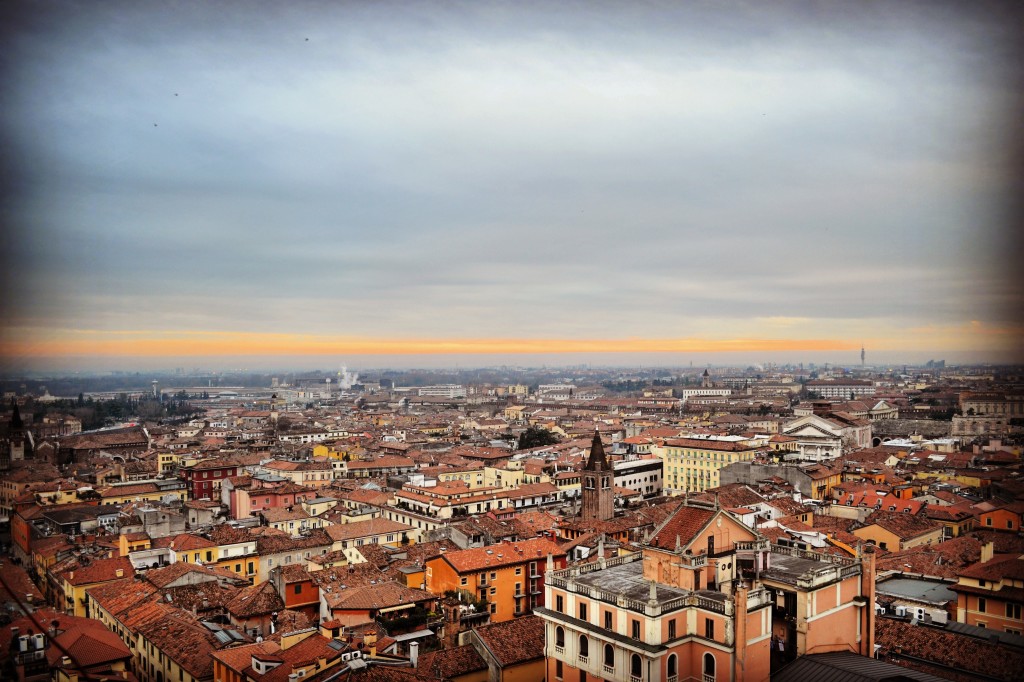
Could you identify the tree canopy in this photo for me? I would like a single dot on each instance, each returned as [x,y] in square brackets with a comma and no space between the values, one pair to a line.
[536,436]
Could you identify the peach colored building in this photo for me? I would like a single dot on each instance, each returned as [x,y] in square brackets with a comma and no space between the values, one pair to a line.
[706,599]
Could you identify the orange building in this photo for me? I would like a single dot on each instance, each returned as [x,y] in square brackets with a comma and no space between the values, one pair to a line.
[990,594]
[707,598]
[509,575]
[298,590]
[1006,518]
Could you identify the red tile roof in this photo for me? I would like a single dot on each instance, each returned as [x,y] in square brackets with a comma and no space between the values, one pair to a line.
[514,641]
[502,554]
[684,524]
[99,571]
[450,663]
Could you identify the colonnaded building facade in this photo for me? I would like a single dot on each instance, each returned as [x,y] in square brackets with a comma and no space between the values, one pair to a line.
[706,599]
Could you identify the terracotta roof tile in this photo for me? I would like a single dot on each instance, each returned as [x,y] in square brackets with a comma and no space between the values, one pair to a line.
[502,554]
[685,524]
[951,651]
[514,641]
[449,663]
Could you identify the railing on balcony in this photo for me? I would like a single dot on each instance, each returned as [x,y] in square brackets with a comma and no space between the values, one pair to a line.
[584,659]
[814,556]
[708,678]
[637,605]
[588,568]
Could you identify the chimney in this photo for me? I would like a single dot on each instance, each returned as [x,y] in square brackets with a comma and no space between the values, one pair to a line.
[119,573]
[986,552]
[740,627]
[414,653]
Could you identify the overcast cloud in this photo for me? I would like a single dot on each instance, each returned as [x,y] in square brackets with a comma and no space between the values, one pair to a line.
[556,170]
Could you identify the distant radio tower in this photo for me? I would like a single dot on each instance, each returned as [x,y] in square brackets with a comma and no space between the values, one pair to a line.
[862,356]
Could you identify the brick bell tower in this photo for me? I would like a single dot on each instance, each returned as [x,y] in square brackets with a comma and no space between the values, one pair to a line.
[598,498]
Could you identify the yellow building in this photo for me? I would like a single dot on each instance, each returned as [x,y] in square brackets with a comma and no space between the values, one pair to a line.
[474,478]
[132,492]
[75,581]
[896,531]
[350,536]
[692,464]
[193,549]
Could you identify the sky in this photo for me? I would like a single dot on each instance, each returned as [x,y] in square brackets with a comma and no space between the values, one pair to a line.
[273,183]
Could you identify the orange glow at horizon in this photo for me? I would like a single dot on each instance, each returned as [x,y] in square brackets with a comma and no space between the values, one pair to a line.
[136,343]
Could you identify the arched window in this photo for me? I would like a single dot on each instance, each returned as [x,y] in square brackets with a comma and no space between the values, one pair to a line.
[609,656]
[559,637]
[709,667]
[584,646]
[673,668]
[636,667]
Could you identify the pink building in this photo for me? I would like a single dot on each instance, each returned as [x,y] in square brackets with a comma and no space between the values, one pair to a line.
[257,495]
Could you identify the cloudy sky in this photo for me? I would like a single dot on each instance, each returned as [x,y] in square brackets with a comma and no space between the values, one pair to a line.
[481,180]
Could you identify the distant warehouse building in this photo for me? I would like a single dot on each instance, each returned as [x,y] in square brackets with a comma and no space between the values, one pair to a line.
[444,391]
[841,388]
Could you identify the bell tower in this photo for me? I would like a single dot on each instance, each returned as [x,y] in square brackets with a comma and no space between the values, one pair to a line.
[598,498]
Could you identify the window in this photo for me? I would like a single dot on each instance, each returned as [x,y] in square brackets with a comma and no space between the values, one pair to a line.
[494,608]
[608,620]
[583,611]
[298,588]
[209,556]
[1013,611]
[559,637]
[672,629]
[981,605]
[609,656]
[494,576]
[988,521]
[636,667]
[636,629]
[709,628]
[672,668]
[709,667]
[519,570]
[558,669]
[584,647]
[559,604]
[463,581]
[494,590]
